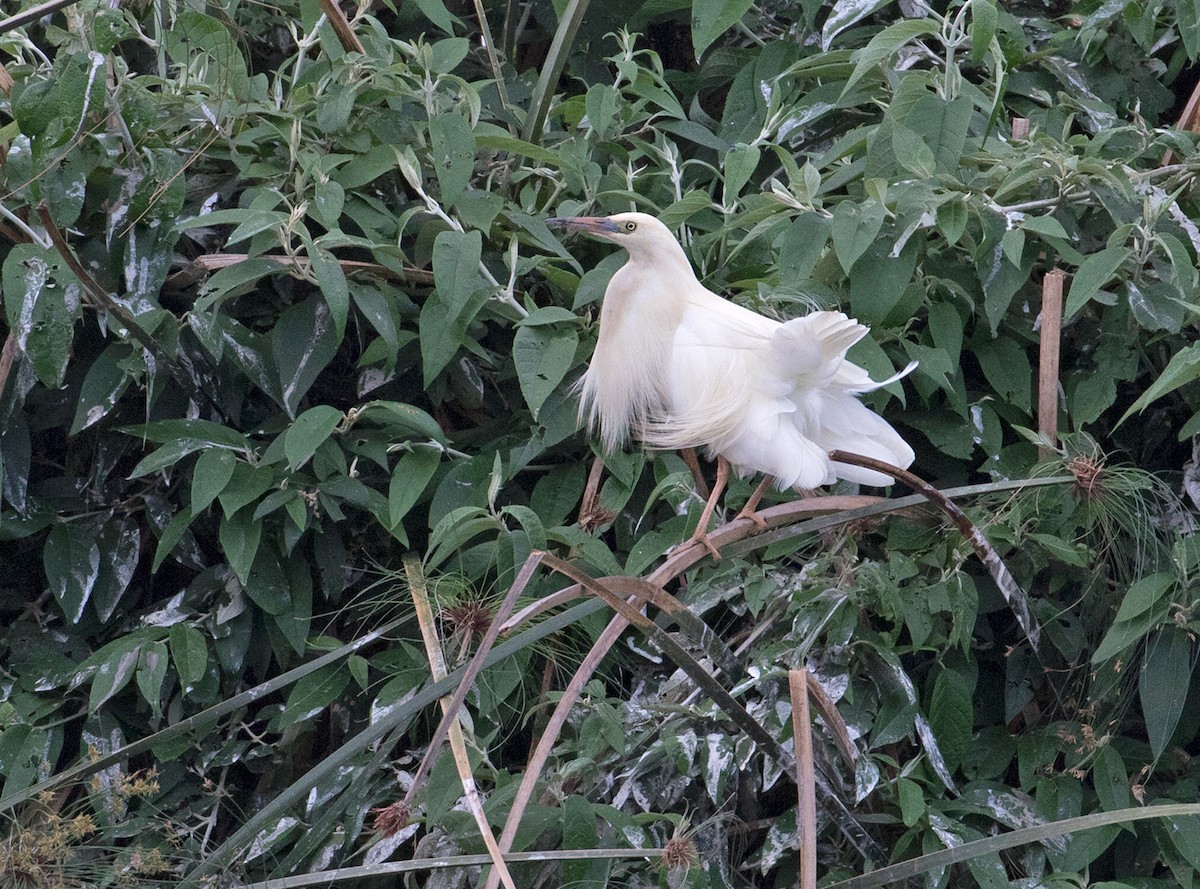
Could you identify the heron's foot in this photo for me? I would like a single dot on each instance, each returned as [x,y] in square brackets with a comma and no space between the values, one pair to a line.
[699,538]
[749,512]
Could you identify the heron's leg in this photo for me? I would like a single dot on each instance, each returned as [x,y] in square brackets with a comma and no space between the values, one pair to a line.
[749,511]
[700,535]
[693,463]
[590,513]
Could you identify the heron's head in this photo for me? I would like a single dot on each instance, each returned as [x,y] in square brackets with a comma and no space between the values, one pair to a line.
[641,234]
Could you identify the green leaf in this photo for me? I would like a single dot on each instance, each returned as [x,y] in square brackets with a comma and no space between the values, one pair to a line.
[912,801]
[309,431]
[984,20]
[1183,368]
[881,45]
[239,535]
[854,229]
[202,432]
[42,301]
[210,475]
[189,654]
[1007,368]
[114,672]
[120,552]
[445,315]
[712,18]
[1189,32]
[409,480]
[1163,684]
[942,126]
[542,355]
[601,103]
[740,164]
[952,715]
[404,418]
[1046,226]
[1143,594]
[247,484]
[334,288]
[1094,273]
[436,12]
[303,342]
[452,150]
[71,558]
[105,383]
[1110,779]
[312,694]
[151,673]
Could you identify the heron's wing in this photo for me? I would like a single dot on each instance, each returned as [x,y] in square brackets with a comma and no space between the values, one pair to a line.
[809,355]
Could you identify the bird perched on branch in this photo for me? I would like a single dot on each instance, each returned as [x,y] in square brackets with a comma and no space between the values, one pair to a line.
[678,366]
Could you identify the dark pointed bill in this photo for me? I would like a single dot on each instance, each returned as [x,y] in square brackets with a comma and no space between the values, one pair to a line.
[592,225]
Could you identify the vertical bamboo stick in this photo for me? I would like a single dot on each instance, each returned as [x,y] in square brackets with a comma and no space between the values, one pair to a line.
[1051,330]
[1020,128]
[806,789]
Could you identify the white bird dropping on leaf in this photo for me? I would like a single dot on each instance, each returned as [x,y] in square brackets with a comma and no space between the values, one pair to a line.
[678,366]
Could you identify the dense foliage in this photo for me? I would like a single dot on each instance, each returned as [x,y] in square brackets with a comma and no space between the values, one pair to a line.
[280,305]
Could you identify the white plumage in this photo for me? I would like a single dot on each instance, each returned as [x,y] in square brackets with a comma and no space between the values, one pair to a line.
[678,366]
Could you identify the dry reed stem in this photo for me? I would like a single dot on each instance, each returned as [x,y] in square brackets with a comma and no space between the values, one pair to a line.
[458,744]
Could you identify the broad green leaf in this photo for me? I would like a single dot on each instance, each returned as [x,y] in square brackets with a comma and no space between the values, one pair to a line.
[1189,31]
[1044,225]
[269,587]
[878,282]
[1163,684]
[942,126]
[952,220]
[309,431]
[189,654]
[312,694]
[452,147]
[329,199]
[211,474]
[239,535]
[409,480]
[854,229]
[151,673]
[170,537]
[1183,368]
[332,281]
[951,714]
[303,342]
[120,552]
[881,45]
[409,420]
[445,315]
[246,485]
[513,145]
[105,383]
[1007,369]
[740,163]
[712,18]
[1157,305]
[71,558]
[984,20]
[601,103]
[1110,779]
[542,355]
[1143,594]
[436,12]
[1094,273]
[115,671]
[42,302]
[203,432]
[912,801]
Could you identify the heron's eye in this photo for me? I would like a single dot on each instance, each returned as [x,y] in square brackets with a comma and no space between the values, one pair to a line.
[630,226]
